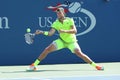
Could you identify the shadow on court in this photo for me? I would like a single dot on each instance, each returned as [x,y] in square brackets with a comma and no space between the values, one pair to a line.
[24,71]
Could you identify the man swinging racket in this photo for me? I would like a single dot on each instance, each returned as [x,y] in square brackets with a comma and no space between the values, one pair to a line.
[67,39]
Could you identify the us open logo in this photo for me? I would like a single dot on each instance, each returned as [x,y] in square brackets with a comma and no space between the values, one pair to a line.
[85,21]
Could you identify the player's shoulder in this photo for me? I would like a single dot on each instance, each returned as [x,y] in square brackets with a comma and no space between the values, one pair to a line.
[69,18]
[56,21]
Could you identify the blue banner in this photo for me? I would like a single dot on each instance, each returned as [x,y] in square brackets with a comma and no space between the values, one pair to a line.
[97,23]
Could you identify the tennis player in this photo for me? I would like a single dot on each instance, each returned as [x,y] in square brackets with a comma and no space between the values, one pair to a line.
[67,39]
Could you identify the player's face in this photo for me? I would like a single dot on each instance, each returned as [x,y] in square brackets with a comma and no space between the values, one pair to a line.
[60,14]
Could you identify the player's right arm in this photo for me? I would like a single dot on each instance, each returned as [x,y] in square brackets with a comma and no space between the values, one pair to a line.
[47,33]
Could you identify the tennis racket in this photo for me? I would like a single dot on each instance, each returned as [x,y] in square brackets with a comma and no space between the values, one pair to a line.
[29,38]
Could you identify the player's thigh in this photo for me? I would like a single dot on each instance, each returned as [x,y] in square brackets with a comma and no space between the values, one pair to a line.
[58,44]
[73,47]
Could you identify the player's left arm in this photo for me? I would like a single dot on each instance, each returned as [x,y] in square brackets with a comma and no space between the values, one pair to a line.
[73,30]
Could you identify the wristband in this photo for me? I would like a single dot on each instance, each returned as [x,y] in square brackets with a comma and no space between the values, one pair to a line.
[45,33]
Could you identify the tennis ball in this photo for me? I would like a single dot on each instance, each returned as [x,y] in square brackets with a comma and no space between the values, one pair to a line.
[28,30]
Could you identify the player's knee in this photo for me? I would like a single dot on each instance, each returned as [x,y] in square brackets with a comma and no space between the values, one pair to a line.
[78,52]
[48,49]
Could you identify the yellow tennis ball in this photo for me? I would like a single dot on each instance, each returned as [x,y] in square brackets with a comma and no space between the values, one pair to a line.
[28,30]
